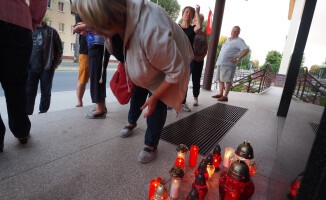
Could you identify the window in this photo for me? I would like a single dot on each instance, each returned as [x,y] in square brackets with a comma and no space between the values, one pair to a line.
[72,29]
[49,23]
[50,4]
[61,6]
[63,46]
[73,47]
[61,27]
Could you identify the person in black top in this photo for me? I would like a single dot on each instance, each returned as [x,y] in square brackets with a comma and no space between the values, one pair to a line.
[83,75]
[188,14]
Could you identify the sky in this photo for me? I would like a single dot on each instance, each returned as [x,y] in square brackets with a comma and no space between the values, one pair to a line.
[264,26]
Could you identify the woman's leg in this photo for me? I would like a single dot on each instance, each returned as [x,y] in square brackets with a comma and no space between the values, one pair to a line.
[98,93]
[155,124]
[196,75]
[137,100]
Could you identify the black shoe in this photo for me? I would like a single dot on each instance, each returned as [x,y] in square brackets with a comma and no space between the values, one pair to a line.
[94,109]
[1,148]
[97,116]
[23,140]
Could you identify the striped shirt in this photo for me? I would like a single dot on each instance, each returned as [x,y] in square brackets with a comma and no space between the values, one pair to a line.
[18,12]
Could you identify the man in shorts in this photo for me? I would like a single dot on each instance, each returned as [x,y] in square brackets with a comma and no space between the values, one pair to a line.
[232,51]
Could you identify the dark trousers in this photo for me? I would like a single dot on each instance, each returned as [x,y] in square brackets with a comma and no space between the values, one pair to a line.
[15,51]
[185,99]
[155,122]
[196,69]
[95,57]
[45,78]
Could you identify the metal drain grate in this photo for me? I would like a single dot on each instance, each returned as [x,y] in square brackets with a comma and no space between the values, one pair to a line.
[204,128]
[314,127]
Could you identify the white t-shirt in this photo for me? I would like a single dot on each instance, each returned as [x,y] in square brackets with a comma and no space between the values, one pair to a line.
[231,49]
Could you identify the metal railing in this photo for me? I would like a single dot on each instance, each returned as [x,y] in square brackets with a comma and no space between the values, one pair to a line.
[309,89]
[256,82]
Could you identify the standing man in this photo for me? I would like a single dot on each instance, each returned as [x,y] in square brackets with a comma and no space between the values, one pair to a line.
[17,20]
[83,75]
[232,51]
[45,58]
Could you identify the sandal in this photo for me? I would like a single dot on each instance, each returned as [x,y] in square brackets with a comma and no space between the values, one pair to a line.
[224,98]
[217,96]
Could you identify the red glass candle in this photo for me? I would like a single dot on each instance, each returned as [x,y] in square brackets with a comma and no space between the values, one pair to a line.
[180,162]
[295,185]
[193,156]
[200,185]
[232,189]
[153,186]
[202,167]
[205,174]
[217,160]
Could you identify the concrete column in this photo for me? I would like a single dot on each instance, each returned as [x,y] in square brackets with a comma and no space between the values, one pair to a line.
[291,36]
[294,67]
[213,43]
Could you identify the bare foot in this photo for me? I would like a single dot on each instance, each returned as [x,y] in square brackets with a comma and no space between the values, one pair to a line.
[79,105]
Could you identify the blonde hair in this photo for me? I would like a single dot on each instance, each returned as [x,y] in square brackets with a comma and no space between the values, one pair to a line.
[102,13]
[191,9]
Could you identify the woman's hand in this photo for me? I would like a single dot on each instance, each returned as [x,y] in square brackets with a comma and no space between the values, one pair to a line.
[151,104]
[197,9]
[79,28]
[199,23]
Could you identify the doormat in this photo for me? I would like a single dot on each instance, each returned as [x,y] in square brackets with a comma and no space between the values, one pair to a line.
[314,127]
[204,128]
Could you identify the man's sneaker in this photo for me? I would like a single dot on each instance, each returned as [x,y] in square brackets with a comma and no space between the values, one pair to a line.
[186,108]
[147,155]
[195,102]
[127,131]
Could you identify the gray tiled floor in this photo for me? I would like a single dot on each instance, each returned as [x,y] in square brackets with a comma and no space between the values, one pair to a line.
[70,157]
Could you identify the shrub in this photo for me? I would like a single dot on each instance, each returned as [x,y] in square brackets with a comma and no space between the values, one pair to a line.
[238,88]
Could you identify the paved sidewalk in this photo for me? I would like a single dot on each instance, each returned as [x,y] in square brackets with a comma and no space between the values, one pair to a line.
[70,157]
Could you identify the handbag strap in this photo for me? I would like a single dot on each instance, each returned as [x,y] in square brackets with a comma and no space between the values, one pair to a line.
[126,49]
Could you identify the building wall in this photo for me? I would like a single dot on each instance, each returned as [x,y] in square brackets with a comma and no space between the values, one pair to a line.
[55,17]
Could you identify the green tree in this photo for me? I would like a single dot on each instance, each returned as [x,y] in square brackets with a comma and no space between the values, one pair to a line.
[256,63]
[274,59]
[244,62]
[313,69]
[47,19]
[220,44]
[204,26]
[172,7]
